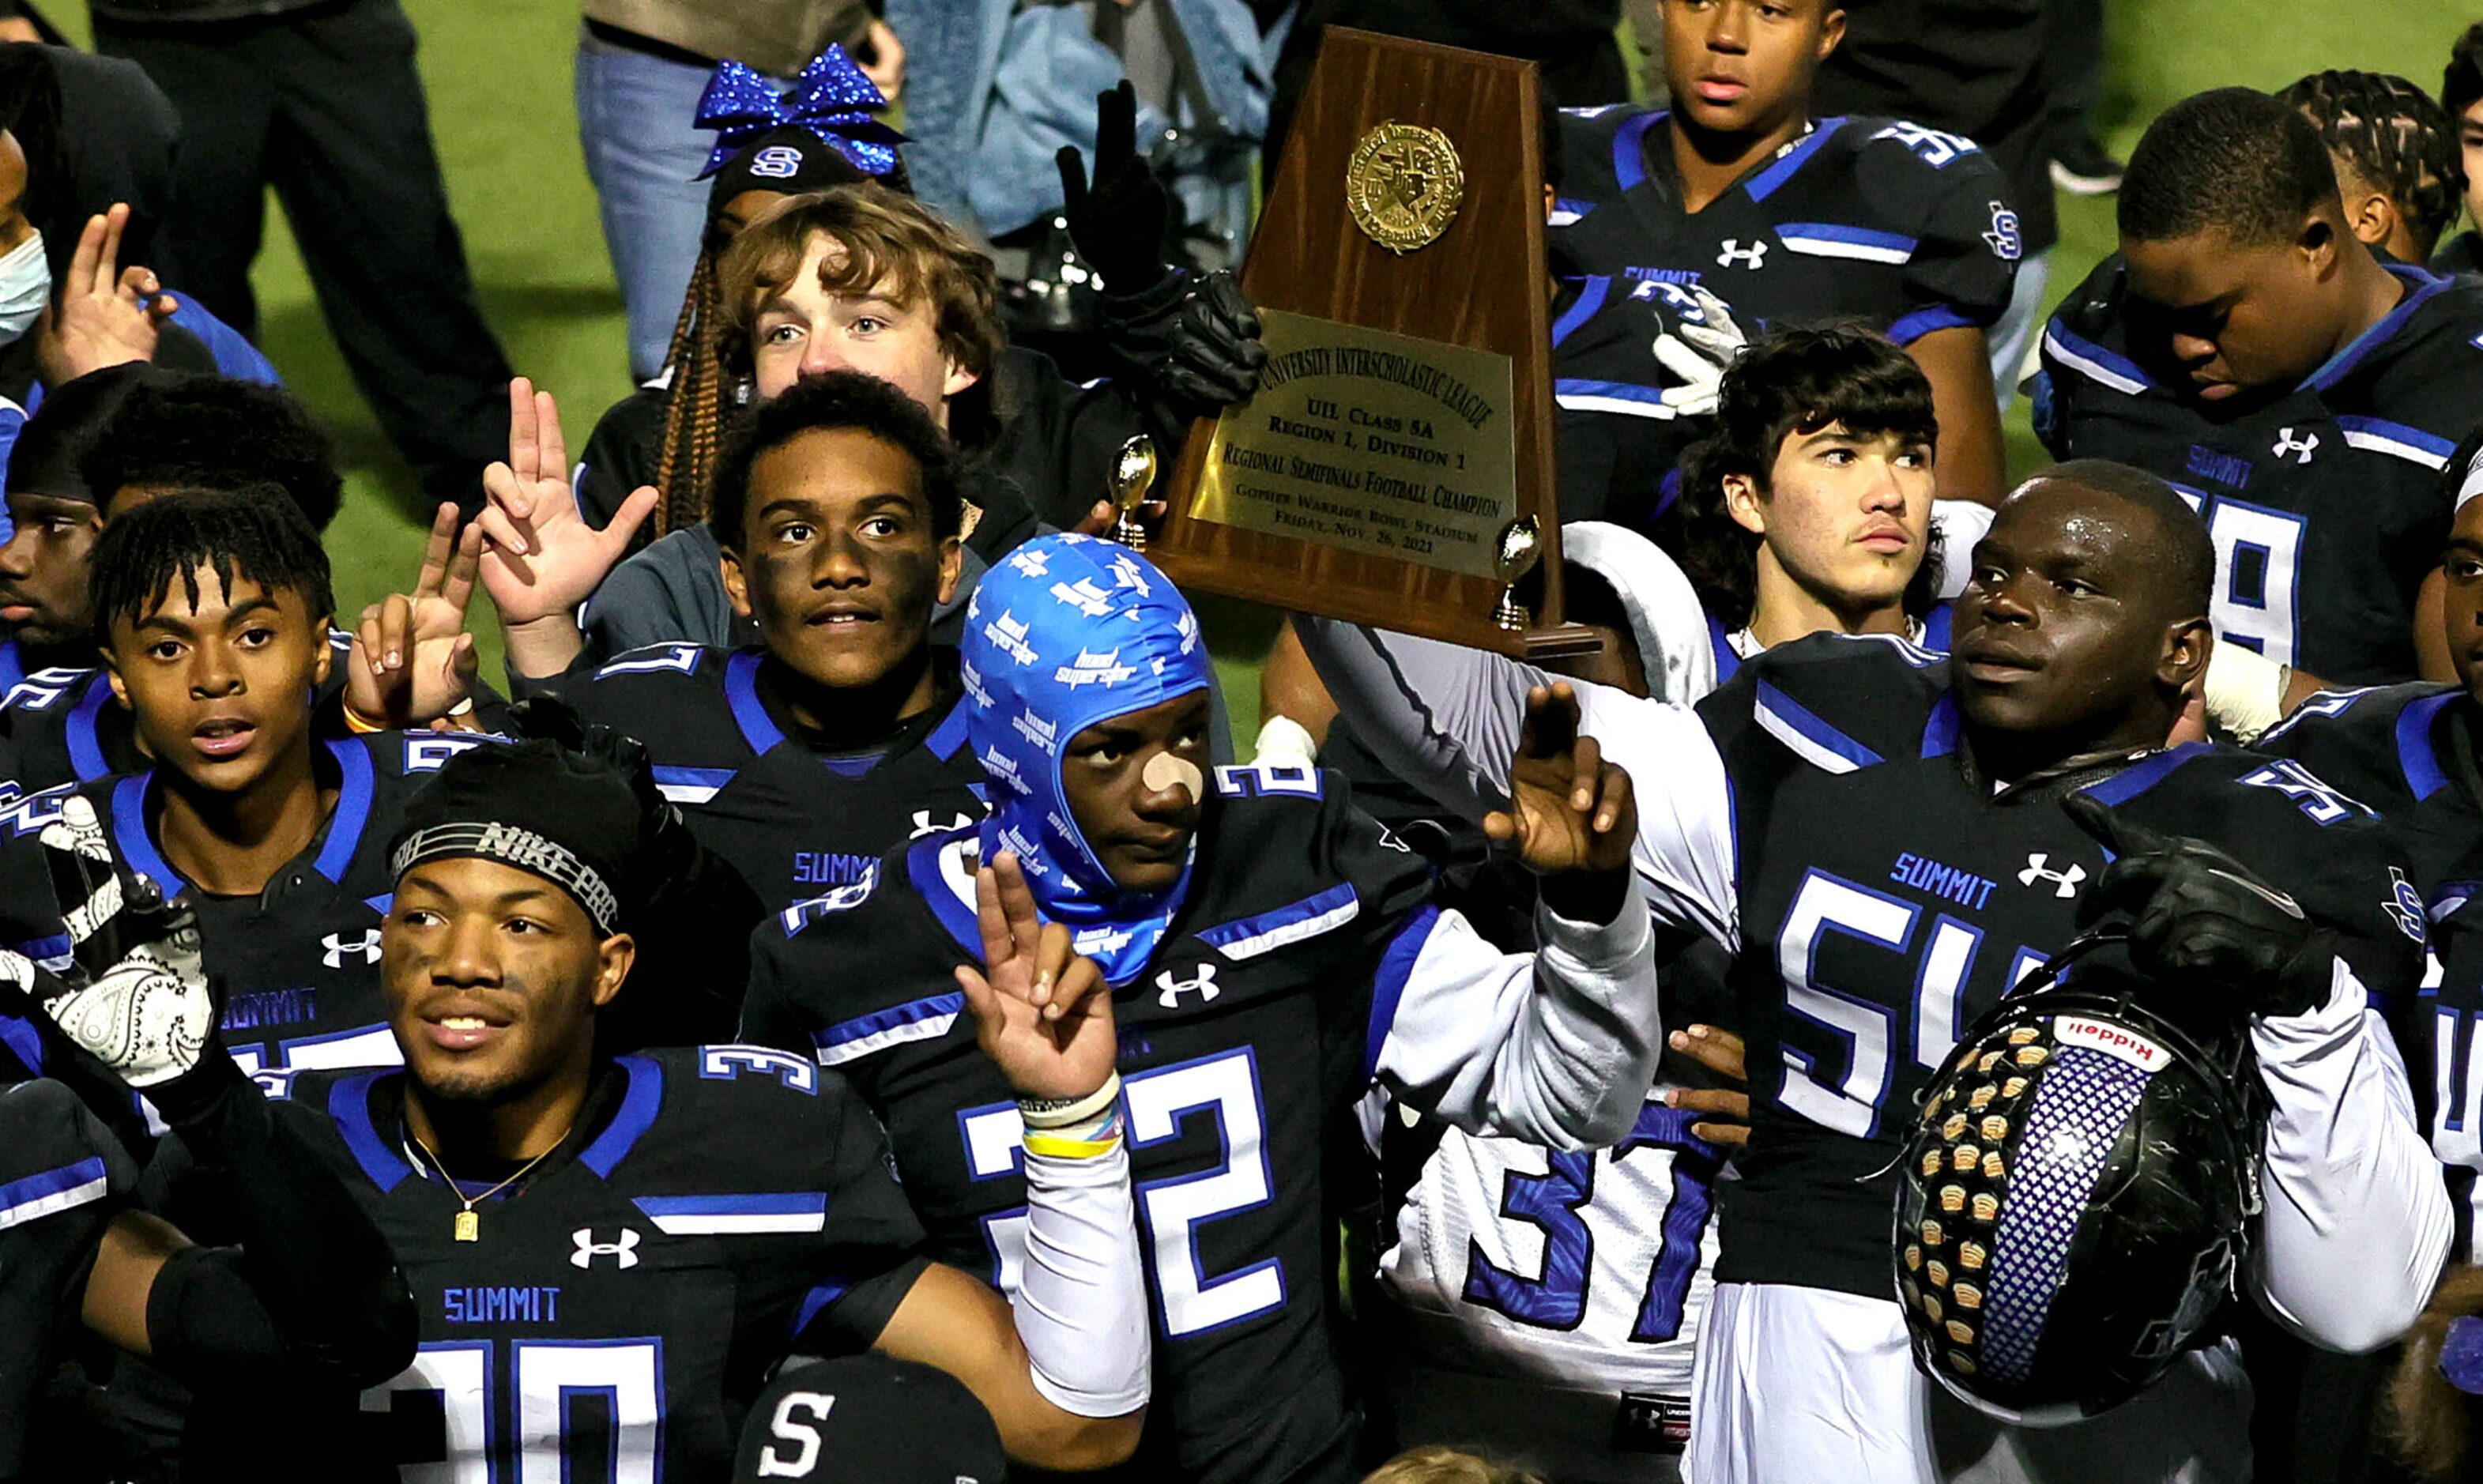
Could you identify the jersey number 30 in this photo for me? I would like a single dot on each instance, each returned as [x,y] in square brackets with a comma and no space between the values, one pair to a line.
[578,1402]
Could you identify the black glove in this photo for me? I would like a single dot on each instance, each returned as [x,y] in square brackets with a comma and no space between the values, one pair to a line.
[1192,337]
[1118,222]
[2196,914]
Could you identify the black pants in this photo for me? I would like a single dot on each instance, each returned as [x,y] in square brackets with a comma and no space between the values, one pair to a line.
[325,105]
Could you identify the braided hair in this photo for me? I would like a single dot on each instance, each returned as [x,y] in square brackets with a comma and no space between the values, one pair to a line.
[2391,135]
[795,162]
[694,405]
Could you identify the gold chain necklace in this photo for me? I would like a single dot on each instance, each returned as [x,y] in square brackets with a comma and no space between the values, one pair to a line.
[469,1221]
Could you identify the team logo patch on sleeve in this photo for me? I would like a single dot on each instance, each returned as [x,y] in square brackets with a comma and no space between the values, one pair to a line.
[2004,240]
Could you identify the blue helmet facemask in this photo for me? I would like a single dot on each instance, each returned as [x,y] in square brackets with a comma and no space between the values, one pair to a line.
[1064,632]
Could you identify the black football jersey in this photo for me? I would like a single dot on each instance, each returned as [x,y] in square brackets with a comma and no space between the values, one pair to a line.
[299,960]
[717,1209]
[2407,751]
[1904,229]
[2448,1031]
[1244,1046]
[2326,505]
[1888,896]
[1617,443]
[59,722]
[796,823]
[61,1179]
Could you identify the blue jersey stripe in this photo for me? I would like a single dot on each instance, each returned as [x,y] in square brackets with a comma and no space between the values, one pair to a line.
[1794,715]
[1766,182]
[2141,776]
[1590,298]
[2424,774]
[1388,986]
[638,1110]
[19,1196]
[788,1203]
[1233,937]
[895,1016]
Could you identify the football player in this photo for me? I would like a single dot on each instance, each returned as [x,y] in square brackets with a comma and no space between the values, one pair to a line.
[211,609]
[60,723]
[608,1254]
[841,733]
[2303,395]
[1791,219]
[1272,952]
[1878,839]
[50,685]
[2415,753]
[314,1300]
[2396,152]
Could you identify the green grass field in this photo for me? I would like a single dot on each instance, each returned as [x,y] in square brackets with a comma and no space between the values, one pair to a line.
[501,111]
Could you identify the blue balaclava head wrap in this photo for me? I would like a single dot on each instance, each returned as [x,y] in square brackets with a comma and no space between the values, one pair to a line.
[1064,632]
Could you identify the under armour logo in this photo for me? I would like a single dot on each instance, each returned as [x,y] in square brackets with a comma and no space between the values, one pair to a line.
[624,1252]
[1735,256]
[1204,987]
[368,948]
[2065,882]
[2297,449]
[924,824]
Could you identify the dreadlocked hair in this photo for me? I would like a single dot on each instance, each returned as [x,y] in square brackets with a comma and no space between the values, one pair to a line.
[2390,134]
[693,405]
[253,534]
[1793,383]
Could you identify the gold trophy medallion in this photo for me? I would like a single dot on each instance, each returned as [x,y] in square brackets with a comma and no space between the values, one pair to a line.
[1405,184]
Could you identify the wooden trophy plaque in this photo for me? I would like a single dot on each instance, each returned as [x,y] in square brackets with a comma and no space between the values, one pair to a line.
[1395,466]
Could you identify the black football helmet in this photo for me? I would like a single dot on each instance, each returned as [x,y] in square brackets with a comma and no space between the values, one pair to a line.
[2078,1192]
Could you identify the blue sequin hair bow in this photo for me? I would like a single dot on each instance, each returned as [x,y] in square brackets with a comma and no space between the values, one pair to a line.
[832,99]
[2461,1354]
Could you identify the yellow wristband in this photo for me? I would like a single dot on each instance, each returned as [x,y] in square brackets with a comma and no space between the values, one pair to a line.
[359,724]
[1058,1148]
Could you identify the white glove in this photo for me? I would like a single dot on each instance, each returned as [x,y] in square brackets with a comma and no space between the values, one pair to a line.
[138,996]
[1702,341]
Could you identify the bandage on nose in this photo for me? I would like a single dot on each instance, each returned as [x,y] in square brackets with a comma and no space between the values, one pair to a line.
[1164,771]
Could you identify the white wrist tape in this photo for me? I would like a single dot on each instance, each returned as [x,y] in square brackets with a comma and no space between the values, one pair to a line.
[2245,692]
[1081,1301]
[1285,743]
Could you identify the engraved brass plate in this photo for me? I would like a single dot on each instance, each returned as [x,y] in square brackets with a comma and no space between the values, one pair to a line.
[1369,441]
[1405,185]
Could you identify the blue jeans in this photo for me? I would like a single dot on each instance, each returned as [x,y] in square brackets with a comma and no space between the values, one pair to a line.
[644,152]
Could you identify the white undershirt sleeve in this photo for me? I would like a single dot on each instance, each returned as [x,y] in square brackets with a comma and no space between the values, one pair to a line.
[1081,1301]
[1556,1048]
[1447,719]
[2357,1219]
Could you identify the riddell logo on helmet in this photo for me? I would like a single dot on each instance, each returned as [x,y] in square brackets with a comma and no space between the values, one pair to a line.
[2115,1041]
